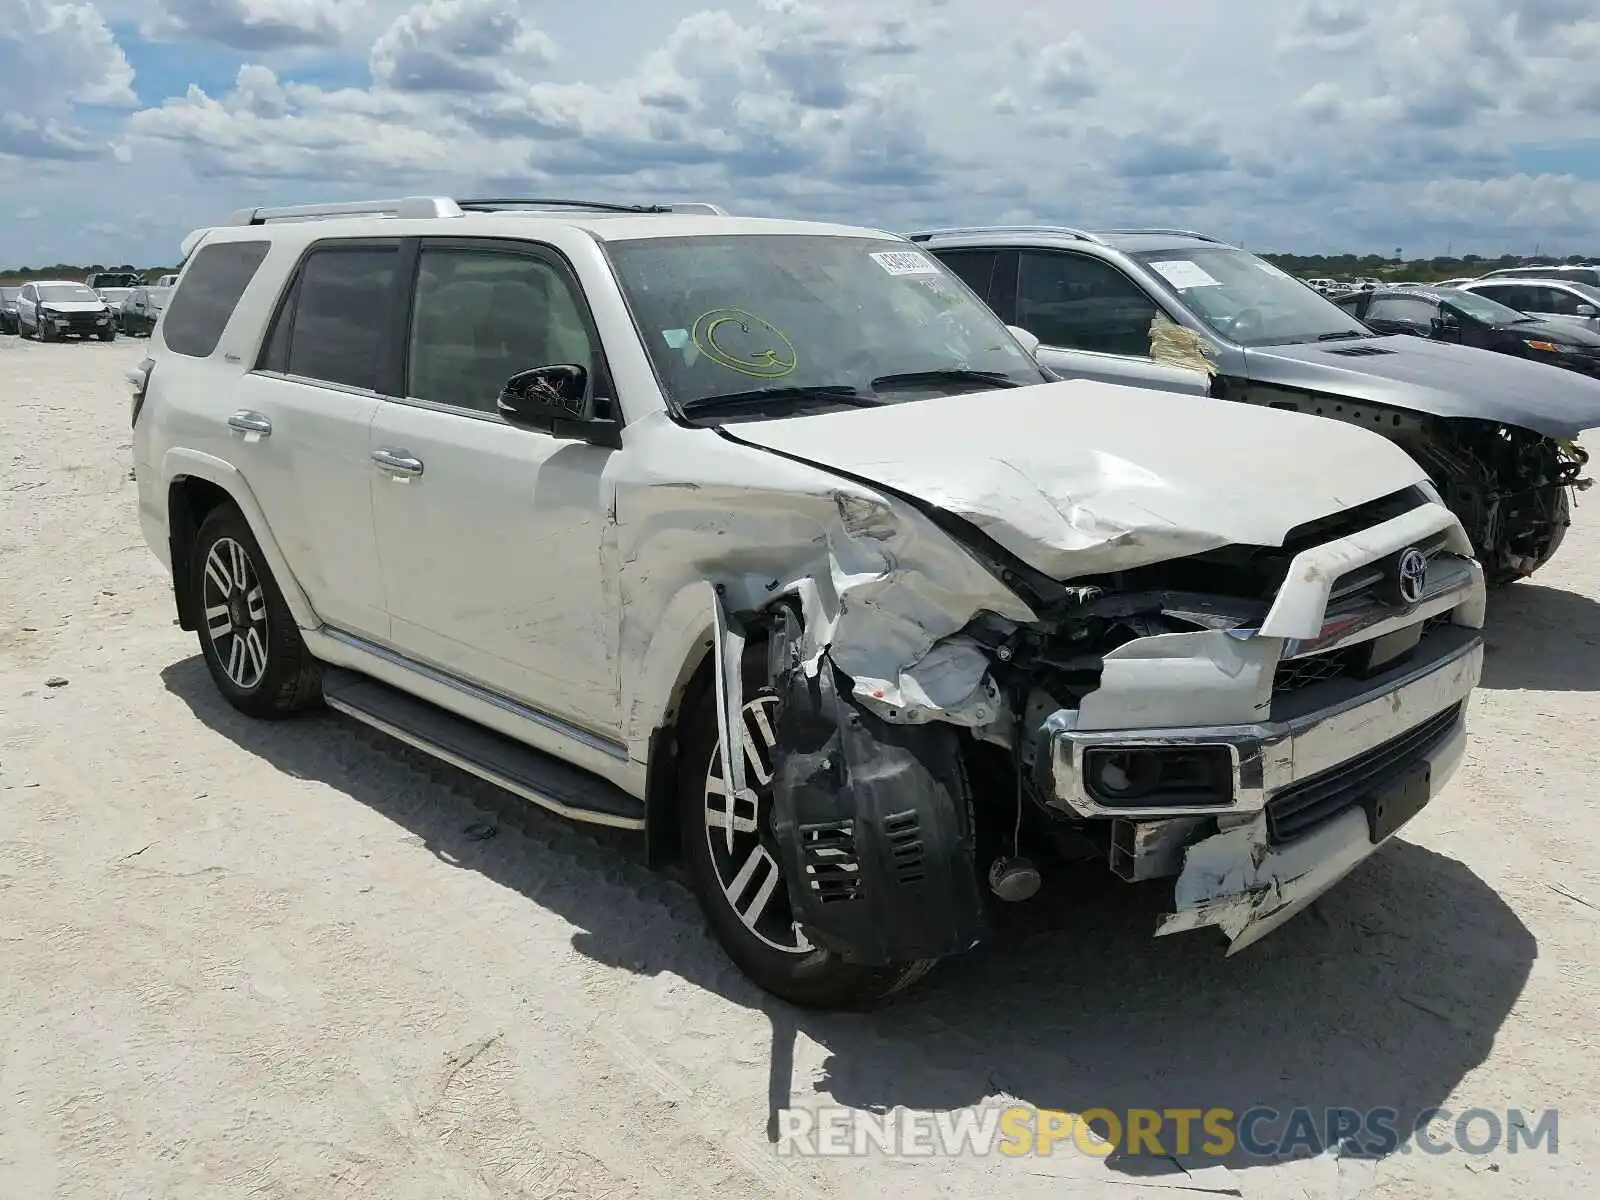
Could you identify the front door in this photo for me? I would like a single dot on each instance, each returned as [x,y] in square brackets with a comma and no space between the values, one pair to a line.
[492,537]
[1093,322]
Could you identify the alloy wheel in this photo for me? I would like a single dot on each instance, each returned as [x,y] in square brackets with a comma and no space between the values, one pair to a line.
[236,613]
[738,827]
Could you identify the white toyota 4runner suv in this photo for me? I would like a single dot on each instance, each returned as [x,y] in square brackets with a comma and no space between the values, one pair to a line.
[578,497]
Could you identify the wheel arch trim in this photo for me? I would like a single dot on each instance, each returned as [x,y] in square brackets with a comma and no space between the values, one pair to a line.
[179,464]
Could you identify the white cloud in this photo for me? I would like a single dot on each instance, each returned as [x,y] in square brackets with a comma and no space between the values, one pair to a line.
[257,25]
[54,59]
[470,46]
[1318,123]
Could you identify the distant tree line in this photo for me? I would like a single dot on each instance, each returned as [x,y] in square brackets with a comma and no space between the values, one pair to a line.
[16,275]
[1422,270]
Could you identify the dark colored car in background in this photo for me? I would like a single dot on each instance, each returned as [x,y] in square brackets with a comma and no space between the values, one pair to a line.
[113,279]
[1180,311]
[8,310]
[141,310]
[1448,315]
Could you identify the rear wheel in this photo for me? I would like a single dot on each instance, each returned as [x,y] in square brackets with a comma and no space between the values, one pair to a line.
[251,644]
[733,861]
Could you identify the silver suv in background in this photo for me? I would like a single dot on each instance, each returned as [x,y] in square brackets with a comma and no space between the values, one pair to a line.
[1180,311]
[1551,299]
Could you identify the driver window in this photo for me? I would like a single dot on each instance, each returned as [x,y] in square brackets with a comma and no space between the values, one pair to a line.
[481,317]
[1405,309]
[1553,300]
[1080,303]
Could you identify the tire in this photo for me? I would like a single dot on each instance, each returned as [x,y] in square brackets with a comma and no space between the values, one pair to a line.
[253,650]
[44,334]
[807,977]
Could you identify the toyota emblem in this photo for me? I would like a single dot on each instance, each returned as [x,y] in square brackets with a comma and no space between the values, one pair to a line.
[1411,575]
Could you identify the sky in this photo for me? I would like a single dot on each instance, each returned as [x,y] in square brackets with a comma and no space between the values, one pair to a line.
[1315,126]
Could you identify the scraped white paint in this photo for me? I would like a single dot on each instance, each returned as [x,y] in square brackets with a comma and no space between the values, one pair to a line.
[1239,883]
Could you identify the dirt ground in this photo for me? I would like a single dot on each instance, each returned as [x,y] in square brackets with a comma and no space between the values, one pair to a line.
[242,959]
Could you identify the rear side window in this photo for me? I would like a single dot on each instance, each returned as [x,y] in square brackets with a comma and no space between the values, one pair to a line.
[200,309]
[332,323]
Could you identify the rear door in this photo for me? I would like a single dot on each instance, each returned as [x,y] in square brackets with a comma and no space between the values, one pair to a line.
[302,420]
[1093,321]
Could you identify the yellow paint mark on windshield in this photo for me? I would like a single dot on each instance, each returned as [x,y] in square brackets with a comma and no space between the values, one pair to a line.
[743,342]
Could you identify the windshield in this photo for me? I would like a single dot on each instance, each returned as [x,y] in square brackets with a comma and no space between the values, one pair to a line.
[63,293]
[1481,308]
[730,314]
[158,296]
[115,293]
[8,294]
[1248,300]
[1588,290]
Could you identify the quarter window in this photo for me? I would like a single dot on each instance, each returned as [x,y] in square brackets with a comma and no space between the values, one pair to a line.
[200,310]
[1080,303]
[975,267]
[482,316]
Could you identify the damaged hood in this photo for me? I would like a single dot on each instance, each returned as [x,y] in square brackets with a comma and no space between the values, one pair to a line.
[1082,477]
[1439,378]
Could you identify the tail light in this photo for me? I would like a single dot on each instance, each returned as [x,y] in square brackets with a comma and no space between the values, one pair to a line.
[139,378]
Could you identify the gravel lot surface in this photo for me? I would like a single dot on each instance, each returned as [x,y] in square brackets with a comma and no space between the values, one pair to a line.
[243,959]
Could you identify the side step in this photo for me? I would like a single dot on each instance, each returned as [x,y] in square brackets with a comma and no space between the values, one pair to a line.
[491,756]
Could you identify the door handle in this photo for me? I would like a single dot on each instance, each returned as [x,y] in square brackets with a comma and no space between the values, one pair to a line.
[247,422]
[398,462]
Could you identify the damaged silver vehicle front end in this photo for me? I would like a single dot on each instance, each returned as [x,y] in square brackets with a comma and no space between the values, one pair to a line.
[1247,712]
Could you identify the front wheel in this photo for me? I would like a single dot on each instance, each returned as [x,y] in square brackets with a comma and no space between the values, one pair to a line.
[251,644]
[733,862]
[1532,535]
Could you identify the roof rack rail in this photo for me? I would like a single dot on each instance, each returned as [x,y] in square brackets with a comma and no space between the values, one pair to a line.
[1160,231]
[515,202]
[426,207]
[1082,235]
[405,207]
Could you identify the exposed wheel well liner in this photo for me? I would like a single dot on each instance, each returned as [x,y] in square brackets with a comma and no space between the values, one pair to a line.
[189,501]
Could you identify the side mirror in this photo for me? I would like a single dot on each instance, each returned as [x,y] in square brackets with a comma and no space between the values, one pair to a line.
[1029,342]
[1588,310]
[556,400]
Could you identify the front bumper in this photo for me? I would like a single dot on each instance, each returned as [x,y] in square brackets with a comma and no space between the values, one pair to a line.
[1269,757]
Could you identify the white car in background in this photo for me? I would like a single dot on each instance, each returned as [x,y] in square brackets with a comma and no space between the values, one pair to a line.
[52,309]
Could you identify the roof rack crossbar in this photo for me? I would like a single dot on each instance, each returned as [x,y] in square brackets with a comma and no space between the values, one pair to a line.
[1082,235]
[1164,232]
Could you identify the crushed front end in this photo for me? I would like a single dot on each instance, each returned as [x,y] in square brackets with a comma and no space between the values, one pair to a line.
[1252,723]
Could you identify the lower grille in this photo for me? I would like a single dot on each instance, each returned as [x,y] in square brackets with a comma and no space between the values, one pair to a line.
[1303,807]
[1292,674]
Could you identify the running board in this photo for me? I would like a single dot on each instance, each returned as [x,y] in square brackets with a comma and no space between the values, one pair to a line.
[491,756]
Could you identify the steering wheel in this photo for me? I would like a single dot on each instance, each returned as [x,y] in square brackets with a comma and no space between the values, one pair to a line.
[1246,322]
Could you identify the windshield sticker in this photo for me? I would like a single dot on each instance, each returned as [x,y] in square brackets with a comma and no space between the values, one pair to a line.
[1182,274]
[675,339]
[743,342]
[905,262]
